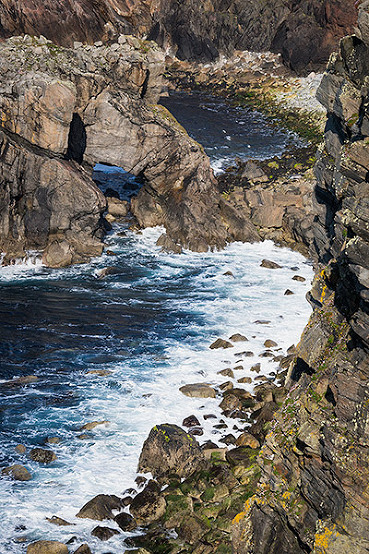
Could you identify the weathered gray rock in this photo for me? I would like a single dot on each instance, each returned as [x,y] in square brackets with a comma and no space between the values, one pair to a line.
[170,450]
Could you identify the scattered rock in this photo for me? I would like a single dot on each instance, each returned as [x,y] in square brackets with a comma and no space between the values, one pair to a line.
[221,343]
[125,521]
[288,292]
[246,380]
[47,547]
[247,440]
[55,520]
[92,425]
[100,507]
[104,533]
[270,344]
[228,439]
[42,456]
[228,385]
[17,472]
[140,481]
[169,449]
[245,354]
[238,338]
[149,505]
[190,421]
[262,322]
[256,368]
[209,416]
[198,390]
[238,367]
[270,265]
[298,278]
[228,274]
[226,372]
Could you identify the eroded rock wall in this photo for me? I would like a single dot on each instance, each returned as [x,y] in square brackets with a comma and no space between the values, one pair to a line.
[313,493]
[62,111]
[305,32]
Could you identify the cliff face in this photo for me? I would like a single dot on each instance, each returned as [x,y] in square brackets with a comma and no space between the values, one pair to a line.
[313,494]
[304,32]
[62,111]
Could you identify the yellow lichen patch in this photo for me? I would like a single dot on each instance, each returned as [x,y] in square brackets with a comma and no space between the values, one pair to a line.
[248,504]
[324,539]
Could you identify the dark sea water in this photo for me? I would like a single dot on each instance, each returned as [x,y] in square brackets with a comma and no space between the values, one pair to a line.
[227,132]
[149,327]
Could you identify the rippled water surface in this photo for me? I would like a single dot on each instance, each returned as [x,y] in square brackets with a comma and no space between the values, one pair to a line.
[147,327]
[228,132]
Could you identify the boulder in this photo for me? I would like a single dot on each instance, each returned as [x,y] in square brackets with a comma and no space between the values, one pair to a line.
[104,533]
[246,439]
[100,507]
[198,390]
[125,521]
[47,547]
[270,343]
[148,506]
[170,450]
[55,520]
[17,472]
[221,343]
[42,456]
[92,424]
[270,265]
[117,208]
[190,421]
[237,337]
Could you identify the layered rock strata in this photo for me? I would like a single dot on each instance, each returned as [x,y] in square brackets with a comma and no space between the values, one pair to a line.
[304,32]
[62,111]
[313,492]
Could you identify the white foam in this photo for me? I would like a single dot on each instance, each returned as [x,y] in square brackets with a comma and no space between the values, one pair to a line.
[144,391]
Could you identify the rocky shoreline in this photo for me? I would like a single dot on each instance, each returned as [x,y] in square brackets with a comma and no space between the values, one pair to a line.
[296,480]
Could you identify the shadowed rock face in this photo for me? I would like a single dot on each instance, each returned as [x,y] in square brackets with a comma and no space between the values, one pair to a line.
[305,32]
[61,108]
[313,494]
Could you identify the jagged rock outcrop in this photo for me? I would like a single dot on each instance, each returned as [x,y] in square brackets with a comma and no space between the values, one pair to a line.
[305,32]
[313,493]
[62,111]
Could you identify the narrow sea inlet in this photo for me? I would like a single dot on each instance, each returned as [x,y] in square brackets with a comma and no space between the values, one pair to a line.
[116,350]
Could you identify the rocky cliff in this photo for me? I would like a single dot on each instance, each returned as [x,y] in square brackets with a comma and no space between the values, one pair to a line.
[305,32]
[313,492]
[62,111]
